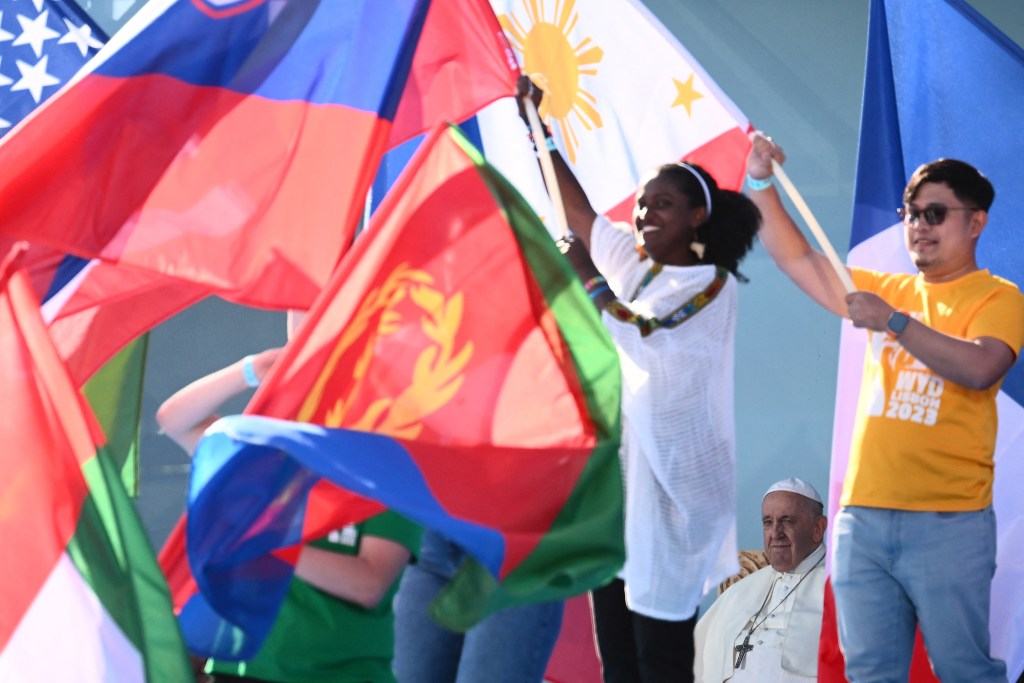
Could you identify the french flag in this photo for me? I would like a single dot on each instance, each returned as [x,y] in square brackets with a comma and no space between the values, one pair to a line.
[941,81]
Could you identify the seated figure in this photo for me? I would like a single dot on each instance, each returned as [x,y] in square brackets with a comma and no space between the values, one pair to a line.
[766,627]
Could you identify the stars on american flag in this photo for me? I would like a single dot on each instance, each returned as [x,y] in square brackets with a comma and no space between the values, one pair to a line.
[43,43]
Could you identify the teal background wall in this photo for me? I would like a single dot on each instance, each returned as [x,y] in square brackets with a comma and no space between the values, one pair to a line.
[795,67]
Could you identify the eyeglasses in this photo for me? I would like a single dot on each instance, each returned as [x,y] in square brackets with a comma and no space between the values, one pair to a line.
[934,214]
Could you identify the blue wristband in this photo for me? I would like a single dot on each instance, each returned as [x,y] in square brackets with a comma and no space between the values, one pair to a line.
[758,184]
[249,372]
[597,291]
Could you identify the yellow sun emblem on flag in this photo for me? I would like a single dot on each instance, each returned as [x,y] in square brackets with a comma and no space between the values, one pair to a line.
[556,65]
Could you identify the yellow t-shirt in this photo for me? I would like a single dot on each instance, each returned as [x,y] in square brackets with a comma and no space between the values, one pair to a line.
[921,442]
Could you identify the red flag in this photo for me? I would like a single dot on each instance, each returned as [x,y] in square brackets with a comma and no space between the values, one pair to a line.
[446,321]
[79,577]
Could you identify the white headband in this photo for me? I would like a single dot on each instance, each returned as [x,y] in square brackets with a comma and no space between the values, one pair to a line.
[703,185]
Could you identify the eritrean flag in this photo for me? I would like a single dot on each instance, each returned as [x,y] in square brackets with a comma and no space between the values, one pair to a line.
[82,598]
[454,371]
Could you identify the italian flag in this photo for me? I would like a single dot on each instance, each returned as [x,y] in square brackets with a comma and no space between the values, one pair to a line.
[81,596]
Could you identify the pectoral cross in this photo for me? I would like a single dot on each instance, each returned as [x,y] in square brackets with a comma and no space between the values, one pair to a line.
[741,651]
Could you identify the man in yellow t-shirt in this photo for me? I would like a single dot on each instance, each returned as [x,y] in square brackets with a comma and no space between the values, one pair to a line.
[915,537]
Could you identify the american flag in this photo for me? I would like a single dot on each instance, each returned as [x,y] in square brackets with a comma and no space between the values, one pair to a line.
[43,43]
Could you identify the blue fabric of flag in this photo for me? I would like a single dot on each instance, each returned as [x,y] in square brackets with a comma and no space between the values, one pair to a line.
[66,271]
[188,44]
[42,45]
[233,628]
[233,530]
[395,160]
[942,81]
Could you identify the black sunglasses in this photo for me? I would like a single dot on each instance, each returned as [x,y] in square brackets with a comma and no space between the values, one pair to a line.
[934,214]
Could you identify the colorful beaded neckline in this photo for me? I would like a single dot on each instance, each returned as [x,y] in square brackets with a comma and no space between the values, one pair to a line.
[678,316]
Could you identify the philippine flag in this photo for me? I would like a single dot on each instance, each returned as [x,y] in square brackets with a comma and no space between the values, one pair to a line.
[586,55]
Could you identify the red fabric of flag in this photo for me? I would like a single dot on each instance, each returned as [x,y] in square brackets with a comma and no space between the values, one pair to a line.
[46,438]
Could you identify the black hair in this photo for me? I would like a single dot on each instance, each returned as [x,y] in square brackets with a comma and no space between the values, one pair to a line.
[969,185]
[728,233]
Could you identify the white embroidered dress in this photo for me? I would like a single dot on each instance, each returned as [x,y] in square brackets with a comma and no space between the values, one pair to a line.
[678,442]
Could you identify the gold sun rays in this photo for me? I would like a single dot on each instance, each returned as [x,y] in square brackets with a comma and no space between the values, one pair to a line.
[556,66]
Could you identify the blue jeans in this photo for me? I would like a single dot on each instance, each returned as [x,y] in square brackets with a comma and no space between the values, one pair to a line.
[896,569]
[510,646]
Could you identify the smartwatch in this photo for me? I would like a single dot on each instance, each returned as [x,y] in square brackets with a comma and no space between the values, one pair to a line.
[896,323]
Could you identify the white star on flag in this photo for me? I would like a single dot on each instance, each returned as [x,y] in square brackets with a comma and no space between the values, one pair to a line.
[43,44]
[81,36]
[35,32]
[34,78]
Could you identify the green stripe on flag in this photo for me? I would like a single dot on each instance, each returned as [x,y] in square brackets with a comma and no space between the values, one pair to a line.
[115,395]
[113,555]
[589,528]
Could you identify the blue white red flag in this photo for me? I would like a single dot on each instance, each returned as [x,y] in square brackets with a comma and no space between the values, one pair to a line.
[229,144]
[942,81]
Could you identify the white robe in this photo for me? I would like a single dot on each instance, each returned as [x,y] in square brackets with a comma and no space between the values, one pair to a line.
[678,441]
[789,637]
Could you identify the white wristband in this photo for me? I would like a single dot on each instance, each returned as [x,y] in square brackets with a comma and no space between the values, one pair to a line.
[249,372]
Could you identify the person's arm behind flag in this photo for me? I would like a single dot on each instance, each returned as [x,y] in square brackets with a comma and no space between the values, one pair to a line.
[363,579]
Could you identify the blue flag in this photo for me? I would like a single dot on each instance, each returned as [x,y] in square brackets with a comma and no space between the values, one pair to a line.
[942,81]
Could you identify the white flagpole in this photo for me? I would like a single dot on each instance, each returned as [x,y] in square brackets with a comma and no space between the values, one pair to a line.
[812,223]
[547,166]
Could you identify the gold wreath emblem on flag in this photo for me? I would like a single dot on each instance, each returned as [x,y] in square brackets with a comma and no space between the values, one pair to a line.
[437,374]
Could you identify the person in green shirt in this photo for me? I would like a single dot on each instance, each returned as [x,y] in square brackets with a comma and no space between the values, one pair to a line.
[336,623]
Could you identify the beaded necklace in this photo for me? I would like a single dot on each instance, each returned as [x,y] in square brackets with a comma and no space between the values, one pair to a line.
[678,316]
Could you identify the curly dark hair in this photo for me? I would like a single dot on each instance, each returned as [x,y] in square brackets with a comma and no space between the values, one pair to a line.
[728,234]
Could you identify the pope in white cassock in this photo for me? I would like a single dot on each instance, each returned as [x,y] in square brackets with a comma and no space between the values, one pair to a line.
[766,627]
